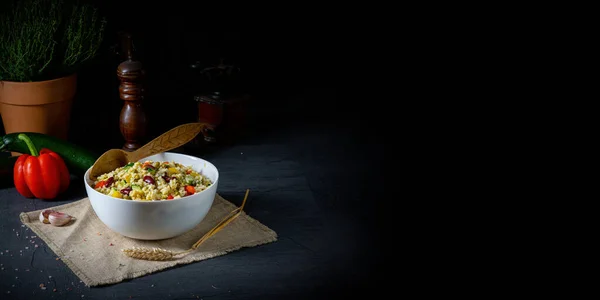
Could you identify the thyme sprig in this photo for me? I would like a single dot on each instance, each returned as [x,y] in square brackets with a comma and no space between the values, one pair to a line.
[47,39]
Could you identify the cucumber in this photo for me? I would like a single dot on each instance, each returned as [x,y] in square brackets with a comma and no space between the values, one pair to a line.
[7,165]
[77,158]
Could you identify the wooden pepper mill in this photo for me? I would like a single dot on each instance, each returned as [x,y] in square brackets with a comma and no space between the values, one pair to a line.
[132,121]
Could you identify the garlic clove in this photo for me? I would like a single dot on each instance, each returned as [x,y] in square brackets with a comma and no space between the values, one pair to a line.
[59,219]
[44,215]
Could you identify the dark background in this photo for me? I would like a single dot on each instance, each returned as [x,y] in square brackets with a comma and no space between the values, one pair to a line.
[293,62]
[290,62]
[304,69]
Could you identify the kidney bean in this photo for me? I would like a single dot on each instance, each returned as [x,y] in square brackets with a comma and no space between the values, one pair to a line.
[149,179]
[109,181]
[126,191]
[166,178]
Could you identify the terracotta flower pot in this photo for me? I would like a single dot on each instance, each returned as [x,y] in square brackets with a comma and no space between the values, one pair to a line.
[40,106]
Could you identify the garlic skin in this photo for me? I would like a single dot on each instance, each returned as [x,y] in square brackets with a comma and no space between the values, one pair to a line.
[44,214]
[59,219]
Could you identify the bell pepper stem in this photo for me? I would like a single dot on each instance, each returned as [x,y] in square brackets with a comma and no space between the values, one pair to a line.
[29,143]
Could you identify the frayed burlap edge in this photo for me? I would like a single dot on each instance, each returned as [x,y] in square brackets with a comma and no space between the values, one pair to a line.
[271,237]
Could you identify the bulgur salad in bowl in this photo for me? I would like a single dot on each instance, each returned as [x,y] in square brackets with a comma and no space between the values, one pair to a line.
[152,181]
[142,209]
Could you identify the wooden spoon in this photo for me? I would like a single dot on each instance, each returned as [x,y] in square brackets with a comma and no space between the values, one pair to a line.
[176,137]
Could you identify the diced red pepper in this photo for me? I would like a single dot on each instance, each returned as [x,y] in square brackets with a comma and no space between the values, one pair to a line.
[170,197]
[190,190]
[100,184]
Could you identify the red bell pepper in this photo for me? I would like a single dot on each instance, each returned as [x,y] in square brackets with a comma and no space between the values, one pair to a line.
[42,175]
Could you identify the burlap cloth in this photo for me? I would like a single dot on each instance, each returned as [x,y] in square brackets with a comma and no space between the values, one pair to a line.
[93,251]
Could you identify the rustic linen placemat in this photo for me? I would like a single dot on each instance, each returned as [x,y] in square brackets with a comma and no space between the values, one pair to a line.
[93,251]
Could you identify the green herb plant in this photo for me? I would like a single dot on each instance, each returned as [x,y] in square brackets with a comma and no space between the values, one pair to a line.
[47,39]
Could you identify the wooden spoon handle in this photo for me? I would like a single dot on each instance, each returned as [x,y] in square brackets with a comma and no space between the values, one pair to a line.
[169,140]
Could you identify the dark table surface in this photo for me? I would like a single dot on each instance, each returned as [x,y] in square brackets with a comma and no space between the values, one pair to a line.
[316,181]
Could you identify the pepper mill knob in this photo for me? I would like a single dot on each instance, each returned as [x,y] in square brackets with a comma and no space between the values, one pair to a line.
[132,121]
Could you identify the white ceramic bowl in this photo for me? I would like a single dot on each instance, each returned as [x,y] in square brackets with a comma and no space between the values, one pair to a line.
[155,220]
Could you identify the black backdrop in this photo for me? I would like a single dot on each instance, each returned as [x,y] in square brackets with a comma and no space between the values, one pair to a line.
[284,54]
[280,57]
